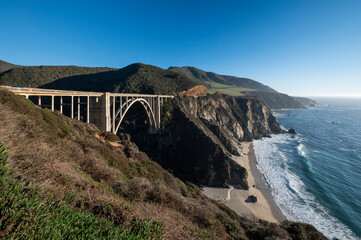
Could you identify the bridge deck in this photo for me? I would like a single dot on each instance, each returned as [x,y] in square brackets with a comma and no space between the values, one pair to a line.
[54,92]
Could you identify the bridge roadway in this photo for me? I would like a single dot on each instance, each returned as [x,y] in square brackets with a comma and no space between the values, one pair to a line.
[104,109]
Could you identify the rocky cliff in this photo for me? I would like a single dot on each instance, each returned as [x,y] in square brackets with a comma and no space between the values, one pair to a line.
[203,132]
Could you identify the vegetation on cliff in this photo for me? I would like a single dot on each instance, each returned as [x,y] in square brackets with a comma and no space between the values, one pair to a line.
[67,177]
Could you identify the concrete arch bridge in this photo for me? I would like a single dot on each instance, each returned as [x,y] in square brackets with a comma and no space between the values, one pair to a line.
[105,110]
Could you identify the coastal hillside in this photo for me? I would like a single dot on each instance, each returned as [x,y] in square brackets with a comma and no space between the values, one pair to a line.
[305,101]
[36,76]
[135,78]
[276,100]
[200,135]
[60,177]
[4,66]
[226,84]
[236,86]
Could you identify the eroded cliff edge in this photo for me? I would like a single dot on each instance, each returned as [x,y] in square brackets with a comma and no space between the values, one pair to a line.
[201,133]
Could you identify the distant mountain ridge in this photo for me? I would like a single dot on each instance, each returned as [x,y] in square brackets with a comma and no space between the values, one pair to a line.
[4,66]
[237,86]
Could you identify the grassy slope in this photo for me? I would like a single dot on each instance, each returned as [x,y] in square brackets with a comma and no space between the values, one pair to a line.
[36,76]
[226,84]
[67,179]
[25,215]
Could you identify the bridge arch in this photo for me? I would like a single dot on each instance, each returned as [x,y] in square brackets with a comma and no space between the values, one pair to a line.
[124,108]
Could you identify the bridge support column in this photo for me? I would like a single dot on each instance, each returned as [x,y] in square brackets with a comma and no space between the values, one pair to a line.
[157,113]
[52,103]
[87,109]
[106,106]
[100,112]
[78,108]
[61,104]
[72,107]
[113,118]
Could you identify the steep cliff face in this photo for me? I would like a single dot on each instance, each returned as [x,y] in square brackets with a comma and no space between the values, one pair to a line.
[206,130]
[203,133]
[231,119]
[196,154]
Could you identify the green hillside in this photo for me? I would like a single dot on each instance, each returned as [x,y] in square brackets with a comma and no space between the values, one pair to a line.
[236,86]
[230,85]
[135,78]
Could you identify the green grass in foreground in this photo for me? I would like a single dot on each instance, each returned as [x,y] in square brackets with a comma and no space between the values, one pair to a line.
[24,215]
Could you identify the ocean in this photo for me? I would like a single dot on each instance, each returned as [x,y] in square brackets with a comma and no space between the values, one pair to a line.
[315,175]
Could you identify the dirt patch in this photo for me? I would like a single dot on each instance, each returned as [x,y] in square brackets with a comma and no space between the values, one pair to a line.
[198,90]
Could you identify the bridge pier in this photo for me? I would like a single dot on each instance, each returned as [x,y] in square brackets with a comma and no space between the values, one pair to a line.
[157,113]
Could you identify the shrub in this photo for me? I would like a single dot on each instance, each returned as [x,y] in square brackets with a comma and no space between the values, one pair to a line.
[109,136]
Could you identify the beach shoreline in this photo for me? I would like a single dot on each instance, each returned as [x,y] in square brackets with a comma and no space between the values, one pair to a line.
[238,199]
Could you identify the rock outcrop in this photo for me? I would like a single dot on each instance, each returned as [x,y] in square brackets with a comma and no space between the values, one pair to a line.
[292,131]
[231,118]
[198,90]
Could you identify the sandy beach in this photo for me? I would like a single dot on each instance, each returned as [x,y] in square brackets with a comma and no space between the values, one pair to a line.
[237,199]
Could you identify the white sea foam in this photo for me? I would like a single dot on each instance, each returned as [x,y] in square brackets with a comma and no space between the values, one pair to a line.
[300,150]
[290,193]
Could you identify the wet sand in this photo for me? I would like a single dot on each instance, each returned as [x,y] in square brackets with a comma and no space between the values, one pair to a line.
[238,199]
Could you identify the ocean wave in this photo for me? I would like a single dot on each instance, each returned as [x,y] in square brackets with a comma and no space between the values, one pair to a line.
[301,150]
[288,190]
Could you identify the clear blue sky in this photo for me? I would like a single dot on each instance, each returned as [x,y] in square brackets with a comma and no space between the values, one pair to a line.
[307,47]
